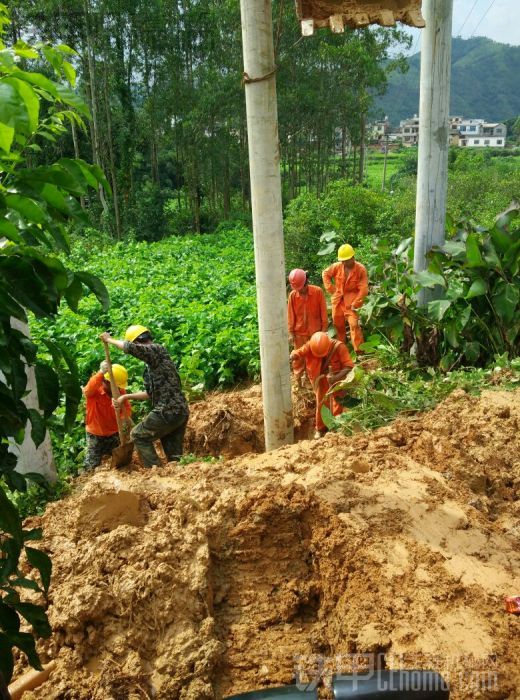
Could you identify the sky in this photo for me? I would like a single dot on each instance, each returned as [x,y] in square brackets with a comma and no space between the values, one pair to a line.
[497,19]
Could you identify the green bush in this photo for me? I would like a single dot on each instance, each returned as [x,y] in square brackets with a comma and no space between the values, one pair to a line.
[396,217]
[484,187]
[352,211]
[178,221]
[473,316]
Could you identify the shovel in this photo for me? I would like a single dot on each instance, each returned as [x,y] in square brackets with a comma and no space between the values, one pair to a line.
[122,455]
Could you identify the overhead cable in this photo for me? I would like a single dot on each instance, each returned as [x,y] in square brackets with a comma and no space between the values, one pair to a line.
[481,19]
[467,17]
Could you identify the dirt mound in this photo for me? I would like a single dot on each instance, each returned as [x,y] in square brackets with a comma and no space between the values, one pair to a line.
[232,423]
[391,549]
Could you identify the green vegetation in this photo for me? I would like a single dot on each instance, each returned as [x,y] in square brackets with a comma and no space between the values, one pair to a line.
[375,167]
[163,81]
[475,312]
[401,388]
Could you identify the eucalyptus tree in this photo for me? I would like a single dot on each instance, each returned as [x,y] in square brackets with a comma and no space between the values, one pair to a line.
[163,79]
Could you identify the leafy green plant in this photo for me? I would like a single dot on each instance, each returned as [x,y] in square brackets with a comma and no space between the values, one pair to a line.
[191,459]
[350,212]
[476,313]
[36,204]
[478,273]
[15,540]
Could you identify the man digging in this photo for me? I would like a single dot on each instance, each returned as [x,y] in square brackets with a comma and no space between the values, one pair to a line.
[169,415]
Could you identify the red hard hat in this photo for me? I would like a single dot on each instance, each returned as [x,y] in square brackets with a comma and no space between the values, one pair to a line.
[320,344]
[297,278]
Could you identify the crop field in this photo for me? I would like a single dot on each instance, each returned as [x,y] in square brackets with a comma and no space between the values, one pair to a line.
[195,293]
[375,167]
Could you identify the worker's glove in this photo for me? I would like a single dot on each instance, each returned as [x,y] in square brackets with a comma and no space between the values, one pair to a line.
[103,367]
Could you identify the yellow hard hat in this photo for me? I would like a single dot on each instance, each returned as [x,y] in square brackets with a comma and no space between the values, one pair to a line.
[346,251]
[133,332]
[120,376]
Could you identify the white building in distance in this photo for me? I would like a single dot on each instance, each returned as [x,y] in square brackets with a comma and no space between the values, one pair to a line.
[476,133]
[465,133]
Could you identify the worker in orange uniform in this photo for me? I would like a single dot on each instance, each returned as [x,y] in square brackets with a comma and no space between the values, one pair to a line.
[347,281]
[306,312]
[101,423]
[327,362]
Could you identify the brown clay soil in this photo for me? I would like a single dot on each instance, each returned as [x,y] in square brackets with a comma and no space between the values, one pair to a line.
[390,549]
[231,423]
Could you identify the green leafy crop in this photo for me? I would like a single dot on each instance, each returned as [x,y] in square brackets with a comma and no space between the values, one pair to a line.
[196,294]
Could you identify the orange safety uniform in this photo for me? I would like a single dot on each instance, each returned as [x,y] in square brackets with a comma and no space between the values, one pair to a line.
[316,368]
[307,314]
[100,414]
[349,289]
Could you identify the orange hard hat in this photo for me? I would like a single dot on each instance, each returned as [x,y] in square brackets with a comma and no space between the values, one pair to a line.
[297,278]
[320,344]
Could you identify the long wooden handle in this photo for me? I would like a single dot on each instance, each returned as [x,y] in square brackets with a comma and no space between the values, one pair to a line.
[31,680]
[115,392]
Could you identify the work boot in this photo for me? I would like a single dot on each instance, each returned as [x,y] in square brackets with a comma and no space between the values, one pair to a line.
[319,434]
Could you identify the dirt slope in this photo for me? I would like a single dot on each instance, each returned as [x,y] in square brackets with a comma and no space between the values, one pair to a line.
[392,549]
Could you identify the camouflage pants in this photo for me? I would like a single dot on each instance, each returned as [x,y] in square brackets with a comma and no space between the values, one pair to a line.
[167,427]
[97,447]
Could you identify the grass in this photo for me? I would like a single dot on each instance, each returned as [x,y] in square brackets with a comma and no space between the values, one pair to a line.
[375,167]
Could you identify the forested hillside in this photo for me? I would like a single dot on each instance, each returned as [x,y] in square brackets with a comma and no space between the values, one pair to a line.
[484,82]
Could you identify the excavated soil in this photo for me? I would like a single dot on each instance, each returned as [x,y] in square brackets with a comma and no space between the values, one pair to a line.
[392,549]
[232,423]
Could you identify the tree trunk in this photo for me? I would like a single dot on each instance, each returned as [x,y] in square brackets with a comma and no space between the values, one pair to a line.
[93,101]
[113,172]
[76,154]
[30,458]
[226,189]
[343,151]
[362,151]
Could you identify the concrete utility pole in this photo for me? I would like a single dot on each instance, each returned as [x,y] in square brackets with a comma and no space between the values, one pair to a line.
[266,198]
[434,106]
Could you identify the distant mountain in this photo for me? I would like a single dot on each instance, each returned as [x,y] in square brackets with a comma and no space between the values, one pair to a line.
[485,83]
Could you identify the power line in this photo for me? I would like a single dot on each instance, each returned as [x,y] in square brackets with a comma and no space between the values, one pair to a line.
[480,21]
[468,16]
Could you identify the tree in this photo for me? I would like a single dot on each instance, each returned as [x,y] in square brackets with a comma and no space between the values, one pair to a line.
[36,205]
[163,80]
